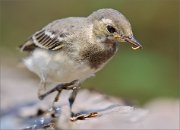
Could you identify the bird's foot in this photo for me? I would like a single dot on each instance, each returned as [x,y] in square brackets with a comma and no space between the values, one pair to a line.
[79,116]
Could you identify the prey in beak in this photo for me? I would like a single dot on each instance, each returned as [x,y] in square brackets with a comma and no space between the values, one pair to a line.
[130,39]
[135,44]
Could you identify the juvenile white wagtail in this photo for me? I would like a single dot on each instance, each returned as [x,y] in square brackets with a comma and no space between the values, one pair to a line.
[70,50]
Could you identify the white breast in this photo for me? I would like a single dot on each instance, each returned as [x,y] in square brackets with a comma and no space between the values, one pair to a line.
[57,67]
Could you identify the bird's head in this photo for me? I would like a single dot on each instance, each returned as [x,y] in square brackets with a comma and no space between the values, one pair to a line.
[109,24]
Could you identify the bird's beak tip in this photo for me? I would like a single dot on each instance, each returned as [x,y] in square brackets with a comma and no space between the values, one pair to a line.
[135,44]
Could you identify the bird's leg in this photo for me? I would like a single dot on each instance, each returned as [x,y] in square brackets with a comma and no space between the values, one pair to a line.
[72,99]
[68,86]
[74,85]
[78,116]
[57,96]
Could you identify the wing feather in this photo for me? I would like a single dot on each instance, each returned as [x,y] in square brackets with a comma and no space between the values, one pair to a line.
[44,39]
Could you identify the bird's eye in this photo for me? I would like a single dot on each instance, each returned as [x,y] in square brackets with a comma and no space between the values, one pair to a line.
[111,29]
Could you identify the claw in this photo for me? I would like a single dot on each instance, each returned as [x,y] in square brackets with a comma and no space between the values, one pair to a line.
[83,116]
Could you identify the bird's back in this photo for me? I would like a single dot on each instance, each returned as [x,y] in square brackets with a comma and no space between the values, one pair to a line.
[67,24]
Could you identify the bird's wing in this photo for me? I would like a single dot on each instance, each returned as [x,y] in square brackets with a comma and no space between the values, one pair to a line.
[46,39]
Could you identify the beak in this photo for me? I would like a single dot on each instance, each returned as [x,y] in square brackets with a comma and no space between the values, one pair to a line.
[135,44]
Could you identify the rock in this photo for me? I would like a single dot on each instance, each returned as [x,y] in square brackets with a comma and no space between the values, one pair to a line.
[21,109]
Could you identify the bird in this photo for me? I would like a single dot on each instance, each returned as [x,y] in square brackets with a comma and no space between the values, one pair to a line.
[70,50]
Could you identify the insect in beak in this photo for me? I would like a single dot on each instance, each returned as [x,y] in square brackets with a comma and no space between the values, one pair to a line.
[135,44]
[130,39]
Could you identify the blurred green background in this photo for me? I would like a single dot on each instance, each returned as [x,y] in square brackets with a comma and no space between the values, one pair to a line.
[137,75]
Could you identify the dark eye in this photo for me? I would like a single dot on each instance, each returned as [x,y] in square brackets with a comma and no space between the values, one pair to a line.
[111,29]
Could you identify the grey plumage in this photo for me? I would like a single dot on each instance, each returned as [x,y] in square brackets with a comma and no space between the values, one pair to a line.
[73,49]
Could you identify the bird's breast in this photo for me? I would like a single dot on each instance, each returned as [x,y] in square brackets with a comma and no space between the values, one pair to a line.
[57,66]
[97,57]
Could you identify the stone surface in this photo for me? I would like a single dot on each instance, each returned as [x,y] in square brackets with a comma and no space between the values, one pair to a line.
[20,108]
